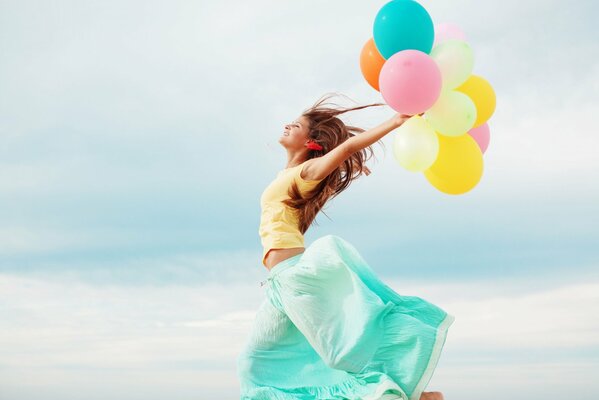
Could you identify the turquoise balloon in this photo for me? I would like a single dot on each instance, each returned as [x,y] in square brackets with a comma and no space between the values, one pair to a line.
[403,25]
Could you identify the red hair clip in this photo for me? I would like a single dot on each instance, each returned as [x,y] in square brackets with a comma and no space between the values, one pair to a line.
[312,145]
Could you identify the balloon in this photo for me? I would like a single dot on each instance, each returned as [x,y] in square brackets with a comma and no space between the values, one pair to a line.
[446,31]
[415,145]
[455,60]
[403,25]
[458,167]
[410,82]
[481,135]
[371,63]
[482,94]
[453,114]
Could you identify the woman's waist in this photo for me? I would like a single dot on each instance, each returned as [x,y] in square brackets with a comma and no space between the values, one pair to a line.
[276,256]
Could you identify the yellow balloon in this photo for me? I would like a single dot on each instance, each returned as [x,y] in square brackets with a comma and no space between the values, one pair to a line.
[459,165]
[415,145]
[482,94]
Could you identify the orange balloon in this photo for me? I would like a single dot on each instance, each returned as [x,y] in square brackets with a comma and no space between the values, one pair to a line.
[371,62]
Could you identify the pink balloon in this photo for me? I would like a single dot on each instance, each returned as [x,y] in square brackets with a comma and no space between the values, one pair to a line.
[448,31]
[410,82]
[482,136]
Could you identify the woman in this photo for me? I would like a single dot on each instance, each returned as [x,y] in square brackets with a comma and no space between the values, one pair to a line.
[328,327]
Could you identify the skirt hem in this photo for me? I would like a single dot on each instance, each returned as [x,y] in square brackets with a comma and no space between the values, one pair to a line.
[434,358]
[385,389]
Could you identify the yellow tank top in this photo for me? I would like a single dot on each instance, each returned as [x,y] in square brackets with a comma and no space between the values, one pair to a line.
[278,222]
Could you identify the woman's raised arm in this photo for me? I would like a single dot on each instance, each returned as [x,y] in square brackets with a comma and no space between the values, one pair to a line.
[366,138]
[322,166]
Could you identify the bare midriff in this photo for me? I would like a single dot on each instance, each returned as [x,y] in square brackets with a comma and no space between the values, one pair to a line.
[275,256]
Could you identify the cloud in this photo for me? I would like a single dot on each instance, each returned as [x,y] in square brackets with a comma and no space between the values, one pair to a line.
[80,333]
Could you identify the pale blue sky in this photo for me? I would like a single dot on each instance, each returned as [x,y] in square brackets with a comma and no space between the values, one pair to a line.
[136,138]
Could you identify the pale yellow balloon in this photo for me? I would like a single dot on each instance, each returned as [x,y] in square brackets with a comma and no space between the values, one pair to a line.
[415,145]
[459,165]
[482,94]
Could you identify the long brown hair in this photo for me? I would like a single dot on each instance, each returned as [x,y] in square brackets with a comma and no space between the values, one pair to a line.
[328,131]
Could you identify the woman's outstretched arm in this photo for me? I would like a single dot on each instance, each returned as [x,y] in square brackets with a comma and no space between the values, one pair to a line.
[366,138]
[323,166]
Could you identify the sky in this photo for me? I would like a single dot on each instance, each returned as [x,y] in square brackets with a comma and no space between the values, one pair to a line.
[137,136]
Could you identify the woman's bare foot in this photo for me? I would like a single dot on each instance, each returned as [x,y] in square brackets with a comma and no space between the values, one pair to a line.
[431,396]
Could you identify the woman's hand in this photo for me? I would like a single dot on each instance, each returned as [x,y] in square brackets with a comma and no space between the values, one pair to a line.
[398,119]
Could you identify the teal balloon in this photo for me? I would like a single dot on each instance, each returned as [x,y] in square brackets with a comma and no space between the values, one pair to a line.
[403,25]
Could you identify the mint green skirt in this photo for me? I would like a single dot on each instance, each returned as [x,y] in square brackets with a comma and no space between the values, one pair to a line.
[328,328]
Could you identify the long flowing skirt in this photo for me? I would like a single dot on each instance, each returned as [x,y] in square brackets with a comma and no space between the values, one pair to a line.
[329,328]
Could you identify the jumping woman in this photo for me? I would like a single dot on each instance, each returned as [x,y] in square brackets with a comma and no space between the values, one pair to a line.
[328,327]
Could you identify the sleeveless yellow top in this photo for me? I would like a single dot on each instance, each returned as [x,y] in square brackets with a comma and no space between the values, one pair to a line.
[279,224]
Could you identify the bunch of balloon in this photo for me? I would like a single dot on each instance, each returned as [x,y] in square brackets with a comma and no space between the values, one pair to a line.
[421,68]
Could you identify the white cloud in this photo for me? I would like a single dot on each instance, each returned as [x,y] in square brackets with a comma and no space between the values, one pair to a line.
[533,380]
[68,330]
[558,318]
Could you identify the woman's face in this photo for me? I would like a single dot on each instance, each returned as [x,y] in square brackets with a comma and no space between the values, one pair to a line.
[295,134]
